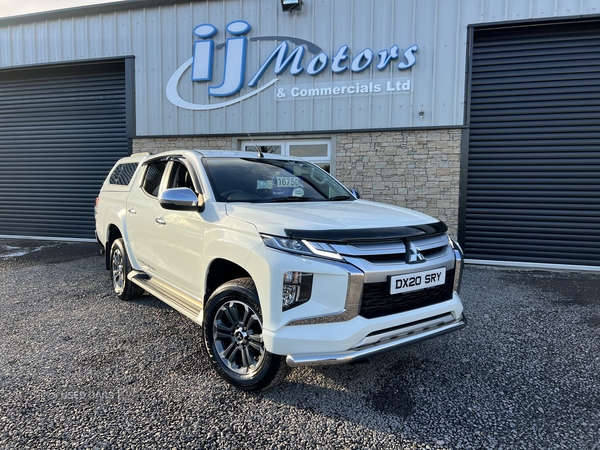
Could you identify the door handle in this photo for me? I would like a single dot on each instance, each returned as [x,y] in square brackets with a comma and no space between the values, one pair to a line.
[132,211]
[160,221]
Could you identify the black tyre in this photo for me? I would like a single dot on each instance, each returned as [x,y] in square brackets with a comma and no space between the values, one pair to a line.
[119,269]
[233,338]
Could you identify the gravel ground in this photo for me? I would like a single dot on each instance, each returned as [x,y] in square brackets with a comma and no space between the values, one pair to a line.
[81,369]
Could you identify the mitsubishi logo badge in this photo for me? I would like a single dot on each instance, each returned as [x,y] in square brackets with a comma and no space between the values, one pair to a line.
[413,255]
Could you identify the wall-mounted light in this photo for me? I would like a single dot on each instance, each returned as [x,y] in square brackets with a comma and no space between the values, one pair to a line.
[291,5]
[421,114]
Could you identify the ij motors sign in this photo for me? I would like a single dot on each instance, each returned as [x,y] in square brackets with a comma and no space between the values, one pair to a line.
[299,57]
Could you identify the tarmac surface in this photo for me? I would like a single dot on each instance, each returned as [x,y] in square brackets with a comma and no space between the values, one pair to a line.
[81,369]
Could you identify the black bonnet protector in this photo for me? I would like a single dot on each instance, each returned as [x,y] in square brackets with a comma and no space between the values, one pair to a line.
[368,234]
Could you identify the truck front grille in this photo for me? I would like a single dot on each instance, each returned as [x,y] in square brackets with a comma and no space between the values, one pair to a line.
[399,258]
[378,302]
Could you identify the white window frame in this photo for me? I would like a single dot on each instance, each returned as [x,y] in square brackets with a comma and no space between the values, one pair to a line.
[285,148]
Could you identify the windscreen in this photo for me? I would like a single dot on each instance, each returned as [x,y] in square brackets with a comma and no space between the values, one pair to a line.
[269,180]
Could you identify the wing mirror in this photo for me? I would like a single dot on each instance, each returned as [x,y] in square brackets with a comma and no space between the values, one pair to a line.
[355,193]
[181,199]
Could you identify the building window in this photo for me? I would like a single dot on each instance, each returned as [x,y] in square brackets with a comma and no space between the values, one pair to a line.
[317,152]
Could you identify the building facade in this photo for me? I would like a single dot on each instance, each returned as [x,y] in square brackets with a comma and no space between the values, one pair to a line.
[481,113]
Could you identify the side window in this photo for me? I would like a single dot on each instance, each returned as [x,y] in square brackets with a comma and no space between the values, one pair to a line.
[122,174]
[152,178]
[180,177]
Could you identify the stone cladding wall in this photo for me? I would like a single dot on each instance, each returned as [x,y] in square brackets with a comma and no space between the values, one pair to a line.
[415,169]
[157,145]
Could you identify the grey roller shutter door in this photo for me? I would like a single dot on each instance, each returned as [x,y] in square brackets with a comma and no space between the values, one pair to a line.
[533,187]
[61,130]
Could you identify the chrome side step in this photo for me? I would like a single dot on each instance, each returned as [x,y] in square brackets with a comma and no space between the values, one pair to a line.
[185,304]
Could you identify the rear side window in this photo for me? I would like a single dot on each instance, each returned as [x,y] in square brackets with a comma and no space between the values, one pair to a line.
[122,174]
[153,176]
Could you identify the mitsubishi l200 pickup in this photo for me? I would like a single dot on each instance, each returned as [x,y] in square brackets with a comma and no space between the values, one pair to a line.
[280,264]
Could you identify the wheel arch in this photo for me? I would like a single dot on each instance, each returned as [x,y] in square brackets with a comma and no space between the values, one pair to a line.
[112,234]
[221,271]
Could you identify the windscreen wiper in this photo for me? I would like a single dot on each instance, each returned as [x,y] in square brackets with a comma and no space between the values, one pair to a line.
[340,197]
[291,199]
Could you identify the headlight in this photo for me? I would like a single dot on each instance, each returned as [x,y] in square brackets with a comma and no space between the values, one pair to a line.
[302,247]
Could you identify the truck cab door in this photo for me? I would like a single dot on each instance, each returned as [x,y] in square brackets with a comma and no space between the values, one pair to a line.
[142,204]
[178,235]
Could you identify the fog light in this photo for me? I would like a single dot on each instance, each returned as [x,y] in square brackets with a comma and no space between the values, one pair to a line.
[297,287]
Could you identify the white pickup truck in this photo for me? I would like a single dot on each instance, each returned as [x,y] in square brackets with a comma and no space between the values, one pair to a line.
[279,263]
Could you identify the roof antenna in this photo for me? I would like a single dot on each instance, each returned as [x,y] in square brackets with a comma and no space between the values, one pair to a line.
[260,154]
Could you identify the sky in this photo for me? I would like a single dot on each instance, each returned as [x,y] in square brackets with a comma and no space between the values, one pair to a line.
[18,7]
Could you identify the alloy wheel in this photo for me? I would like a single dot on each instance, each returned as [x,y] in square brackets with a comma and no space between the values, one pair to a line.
[237,334]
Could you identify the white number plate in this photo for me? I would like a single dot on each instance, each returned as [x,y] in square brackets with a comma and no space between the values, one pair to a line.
[416,281]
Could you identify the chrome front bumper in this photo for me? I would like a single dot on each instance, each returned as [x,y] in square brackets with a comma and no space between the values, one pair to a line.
[384,342]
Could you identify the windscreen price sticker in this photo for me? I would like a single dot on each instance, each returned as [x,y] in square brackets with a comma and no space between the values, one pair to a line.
[292,182]
[286,182]
[415,281]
